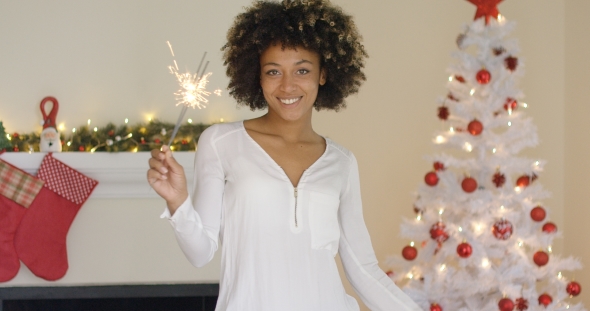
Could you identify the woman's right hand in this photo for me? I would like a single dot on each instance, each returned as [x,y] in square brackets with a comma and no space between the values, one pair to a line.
[167,178]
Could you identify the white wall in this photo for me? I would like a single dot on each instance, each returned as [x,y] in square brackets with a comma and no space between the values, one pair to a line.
[107,61]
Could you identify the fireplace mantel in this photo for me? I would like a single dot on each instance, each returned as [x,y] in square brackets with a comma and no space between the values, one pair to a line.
[120,175]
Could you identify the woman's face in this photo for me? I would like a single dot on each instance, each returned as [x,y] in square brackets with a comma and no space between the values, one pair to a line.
[290,80]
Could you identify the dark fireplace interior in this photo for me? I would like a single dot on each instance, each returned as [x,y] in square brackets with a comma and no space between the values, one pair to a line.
[177,297]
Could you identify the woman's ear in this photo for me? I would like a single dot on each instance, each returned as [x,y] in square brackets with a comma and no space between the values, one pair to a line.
[322,76]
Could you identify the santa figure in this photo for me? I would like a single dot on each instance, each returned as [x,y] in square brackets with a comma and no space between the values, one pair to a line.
[50,141]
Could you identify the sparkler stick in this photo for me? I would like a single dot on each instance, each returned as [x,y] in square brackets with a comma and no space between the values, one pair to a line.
[192,90]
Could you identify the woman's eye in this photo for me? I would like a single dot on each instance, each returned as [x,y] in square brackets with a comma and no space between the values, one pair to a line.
[302,71]
[272,72]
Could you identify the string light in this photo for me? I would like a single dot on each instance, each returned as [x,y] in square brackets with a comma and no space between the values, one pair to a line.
[96,129]
[74,130]
[442,267]
[472,92]
[485,263]
[549,249]
[190,121]
[468,147]
[509,123]
[452,130]
[460,229]
[524,105]
[126,120]
[450,78]
[412,244]
[440,139]
[88,122]
[494,150]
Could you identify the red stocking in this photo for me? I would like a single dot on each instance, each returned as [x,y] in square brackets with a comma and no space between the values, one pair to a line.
[17,191]
[40,239]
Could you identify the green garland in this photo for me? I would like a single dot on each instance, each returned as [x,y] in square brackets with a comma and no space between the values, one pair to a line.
[112,138]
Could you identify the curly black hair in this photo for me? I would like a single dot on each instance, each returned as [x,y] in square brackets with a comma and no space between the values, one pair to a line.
[316,25]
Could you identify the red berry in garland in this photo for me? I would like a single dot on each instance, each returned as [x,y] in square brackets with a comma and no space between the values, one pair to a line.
[502,229]
[81,148]
[469,184]
[111,133]
[483,76]
[505,304]
[437,232]
[443,113]
[15,148]
[157,141]
[499,179]
[431,179]
[573,288]
[475,127]
[522,304]
[511,63]
[545,300]
[549,227]
[538,213]
[435,307]
[409,253]
[464,250]
[541,258]
[15,135]
[523,181]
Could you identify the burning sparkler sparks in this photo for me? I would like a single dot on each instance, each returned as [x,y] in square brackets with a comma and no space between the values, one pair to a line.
[192,92]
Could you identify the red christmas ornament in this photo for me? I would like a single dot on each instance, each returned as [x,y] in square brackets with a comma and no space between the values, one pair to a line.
[502,229]
[499,179]
[439,166]
[522,304]
[505,304]
[523,181]
[464,250]
[437,232]
[81,148]
[157,141]
[15,135]
[435,307]
[498,51]
[538,213]
[431,179]
[142,140]
[417,210]
[460,78]
[469,184]
[545,299]
[511,104]
[483,76]
[511,63]
[443,113]
[409,253]
[475,127]
[15,148]
[573,288]
[111,133]
[486,8]
[549,227]
[541,258]
[184,142]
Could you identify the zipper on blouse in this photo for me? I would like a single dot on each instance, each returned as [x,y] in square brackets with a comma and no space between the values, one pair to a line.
[295,207]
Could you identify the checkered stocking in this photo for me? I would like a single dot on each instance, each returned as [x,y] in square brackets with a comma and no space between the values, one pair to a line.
[40,240]
[18,190]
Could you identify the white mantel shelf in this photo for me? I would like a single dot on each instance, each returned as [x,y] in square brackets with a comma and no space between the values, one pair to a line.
[119,175]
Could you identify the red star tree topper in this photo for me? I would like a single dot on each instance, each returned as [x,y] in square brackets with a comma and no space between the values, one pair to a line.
[486,8]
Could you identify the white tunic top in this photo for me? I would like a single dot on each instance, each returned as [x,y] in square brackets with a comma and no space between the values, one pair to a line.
[278,242]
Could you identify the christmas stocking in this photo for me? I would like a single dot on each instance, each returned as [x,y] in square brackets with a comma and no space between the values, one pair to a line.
[17,191]
[40,239]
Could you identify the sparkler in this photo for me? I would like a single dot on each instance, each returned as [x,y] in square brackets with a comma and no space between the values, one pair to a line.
[192,90]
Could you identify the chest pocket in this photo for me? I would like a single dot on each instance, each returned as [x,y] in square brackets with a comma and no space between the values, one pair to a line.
[323,221]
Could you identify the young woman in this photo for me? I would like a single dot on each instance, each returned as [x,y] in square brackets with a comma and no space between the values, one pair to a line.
[280,199]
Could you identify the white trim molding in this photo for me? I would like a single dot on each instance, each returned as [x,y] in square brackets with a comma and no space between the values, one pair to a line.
[119,175]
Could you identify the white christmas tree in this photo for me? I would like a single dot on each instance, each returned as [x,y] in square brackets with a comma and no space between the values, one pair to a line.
[481,228]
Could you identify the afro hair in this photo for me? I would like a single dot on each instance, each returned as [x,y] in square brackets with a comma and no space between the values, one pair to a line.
[318,26]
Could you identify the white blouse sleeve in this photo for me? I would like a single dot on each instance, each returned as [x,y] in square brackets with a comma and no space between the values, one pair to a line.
[197,221]
[373,286]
